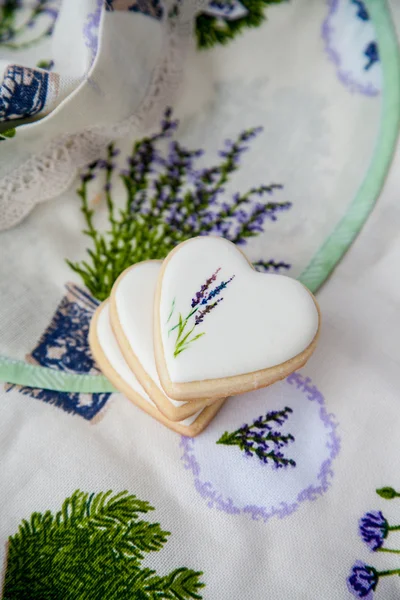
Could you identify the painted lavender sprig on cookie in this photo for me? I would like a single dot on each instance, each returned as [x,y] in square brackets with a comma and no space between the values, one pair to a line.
[201,306]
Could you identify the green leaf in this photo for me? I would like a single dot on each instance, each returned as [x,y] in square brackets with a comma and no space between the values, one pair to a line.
[227,438]
[142,537]
[183,340]
[388,493]
[9,133]
[172,310]
[196,337]
[181,584]
[181,325]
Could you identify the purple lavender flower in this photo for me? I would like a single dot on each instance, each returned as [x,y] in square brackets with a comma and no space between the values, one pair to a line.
[199,318]
[373,529]
[200,294]
[362,580]
[251,133]
[168,197]
[216,291]
[85,177]
[186,325]
[260,440]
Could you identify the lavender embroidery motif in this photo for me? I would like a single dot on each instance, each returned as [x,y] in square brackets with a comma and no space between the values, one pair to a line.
[243,486]
[169,199]
[202,304]
[363,580]
[374,529]
[261,439]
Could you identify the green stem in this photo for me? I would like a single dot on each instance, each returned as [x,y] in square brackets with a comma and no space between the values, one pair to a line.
[385,573]
[109,173]
[185,321]
[388,550]
[393,527]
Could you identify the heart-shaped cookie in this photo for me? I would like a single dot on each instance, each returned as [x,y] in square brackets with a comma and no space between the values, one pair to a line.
[222,328]
[131,314]
[108,356]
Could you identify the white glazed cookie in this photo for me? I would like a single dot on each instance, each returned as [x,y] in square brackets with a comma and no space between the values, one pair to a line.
[131,314]
[222,328]
[108,356]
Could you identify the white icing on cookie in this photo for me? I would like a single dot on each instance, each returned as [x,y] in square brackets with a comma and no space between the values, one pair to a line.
[109,345]
[134,303]
[234,320]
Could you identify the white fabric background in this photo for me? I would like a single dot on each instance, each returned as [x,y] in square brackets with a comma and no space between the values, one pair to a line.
[46,454]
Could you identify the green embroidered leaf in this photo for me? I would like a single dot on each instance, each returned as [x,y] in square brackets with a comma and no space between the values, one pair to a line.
[212,30]
[181,584]
[388,493]
[228,439]
[9,133]
[92,548]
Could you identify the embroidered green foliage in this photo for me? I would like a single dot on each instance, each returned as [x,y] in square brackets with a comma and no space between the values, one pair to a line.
[388,493]
[213,30]
[9,133]
[169,200]
[92,548]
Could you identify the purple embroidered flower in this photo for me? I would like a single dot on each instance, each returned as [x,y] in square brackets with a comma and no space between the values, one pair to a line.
[373,529]
[362,580]
[261,440]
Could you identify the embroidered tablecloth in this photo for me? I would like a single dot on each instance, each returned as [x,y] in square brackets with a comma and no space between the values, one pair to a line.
[273,124]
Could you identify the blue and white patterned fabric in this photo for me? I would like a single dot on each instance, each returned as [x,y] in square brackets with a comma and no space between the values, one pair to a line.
[26,92]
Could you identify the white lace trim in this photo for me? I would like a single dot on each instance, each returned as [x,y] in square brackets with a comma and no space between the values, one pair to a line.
[51,172]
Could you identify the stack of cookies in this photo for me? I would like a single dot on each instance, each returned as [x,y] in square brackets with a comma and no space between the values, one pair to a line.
[178,337]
